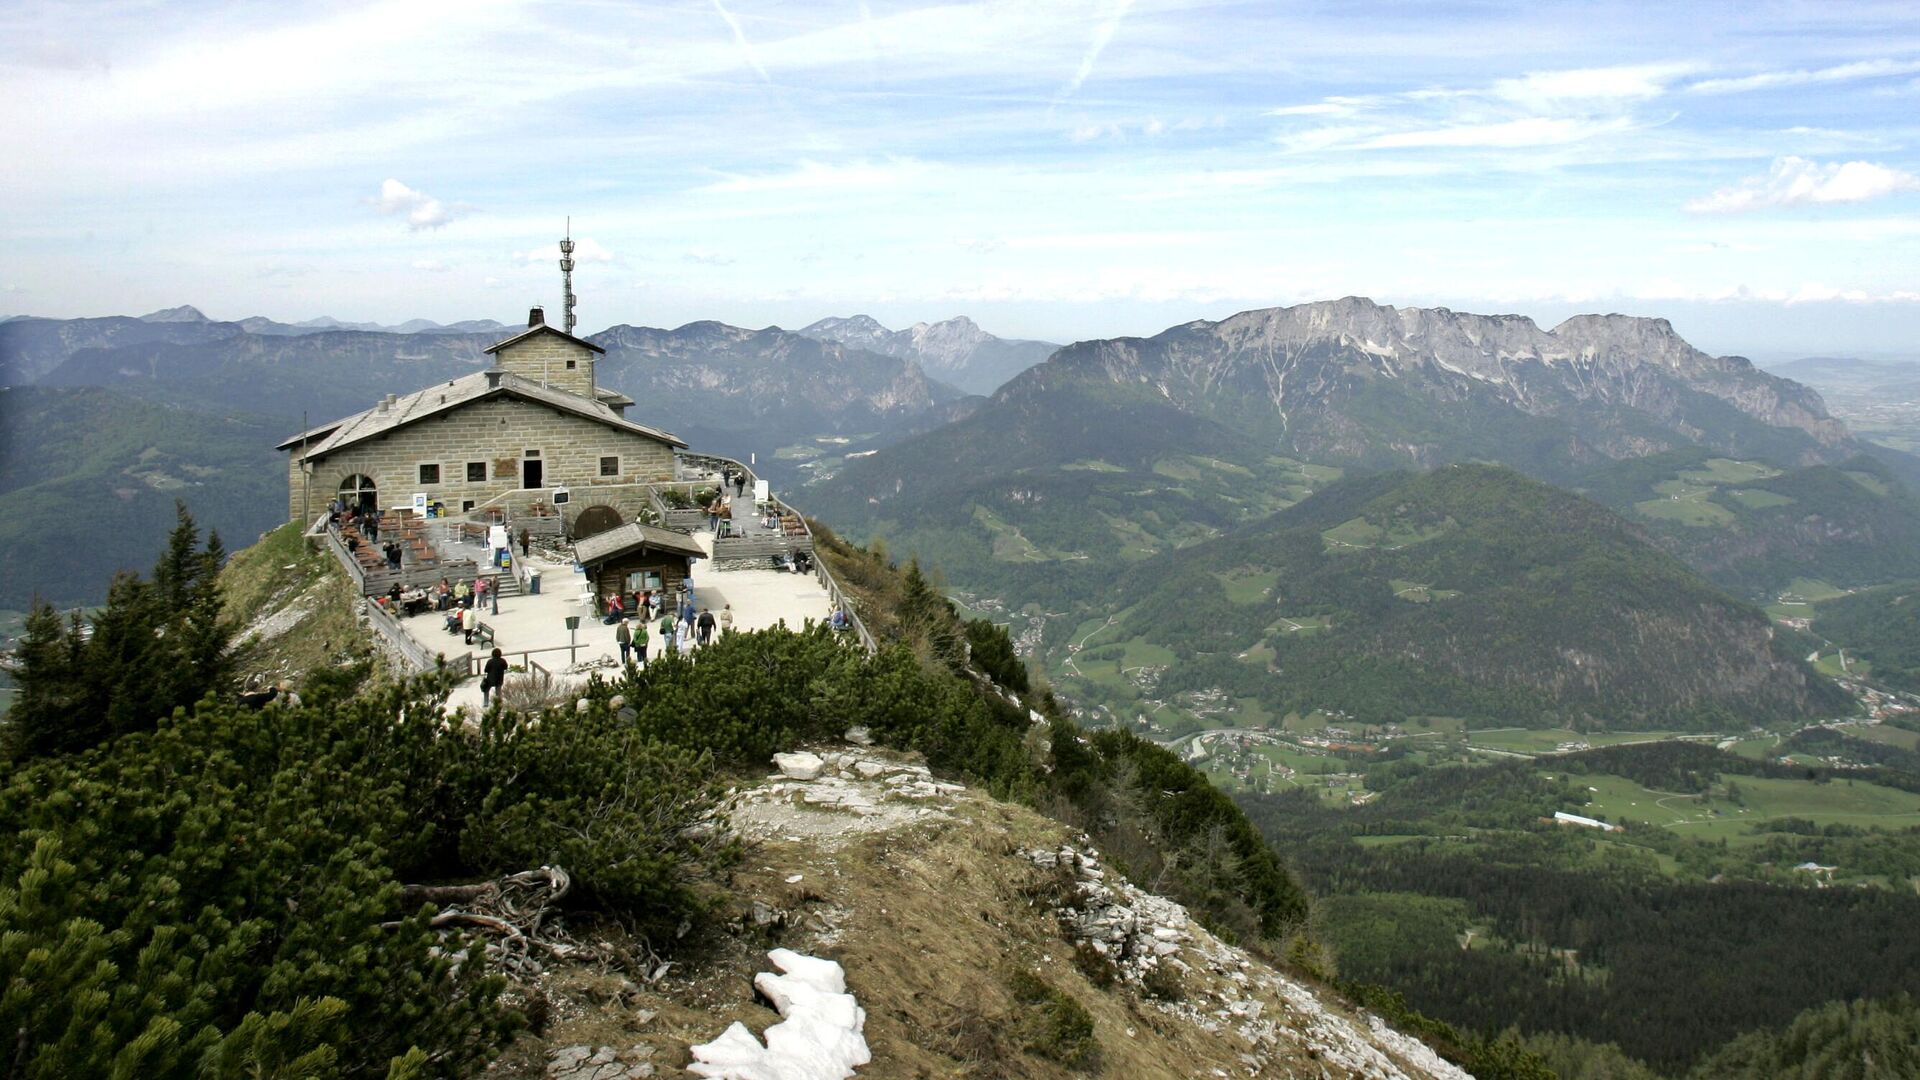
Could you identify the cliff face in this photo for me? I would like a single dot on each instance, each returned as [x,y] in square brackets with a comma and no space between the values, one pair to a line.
[1351,379]
[956,351]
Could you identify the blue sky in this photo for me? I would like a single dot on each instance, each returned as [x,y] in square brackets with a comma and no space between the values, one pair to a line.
[1054,169]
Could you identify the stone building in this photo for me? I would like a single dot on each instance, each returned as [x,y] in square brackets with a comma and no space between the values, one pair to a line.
[505,437]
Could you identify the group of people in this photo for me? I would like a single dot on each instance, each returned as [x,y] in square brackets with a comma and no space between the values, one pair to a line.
[462,604]
[340,512]
[681,629]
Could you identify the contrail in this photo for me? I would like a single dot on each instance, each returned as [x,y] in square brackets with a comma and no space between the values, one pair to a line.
[1101,36]
[740,39]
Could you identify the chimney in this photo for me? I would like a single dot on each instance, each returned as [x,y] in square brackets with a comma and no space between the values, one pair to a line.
[536,317]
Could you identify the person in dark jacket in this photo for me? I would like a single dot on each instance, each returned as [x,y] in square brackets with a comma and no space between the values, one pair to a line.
[492,678]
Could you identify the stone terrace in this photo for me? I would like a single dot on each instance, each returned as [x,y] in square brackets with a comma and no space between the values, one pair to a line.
[533,627]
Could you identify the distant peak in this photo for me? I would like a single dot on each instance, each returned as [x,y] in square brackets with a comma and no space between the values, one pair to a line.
[865,324]
[183,313]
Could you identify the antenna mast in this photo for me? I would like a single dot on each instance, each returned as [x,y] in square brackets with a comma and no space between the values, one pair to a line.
[567,298]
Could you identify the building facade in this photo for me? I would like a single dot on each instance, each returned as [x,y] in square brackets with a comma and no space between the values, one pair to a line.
[513,433]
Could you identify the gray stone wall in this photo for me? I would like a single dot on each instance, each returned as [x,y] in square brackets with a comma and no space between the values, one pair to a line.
[497,433]
[544,357]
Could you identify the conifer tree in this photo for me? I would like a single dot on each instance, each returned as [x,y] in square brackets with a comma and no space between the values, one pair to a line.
[51,682]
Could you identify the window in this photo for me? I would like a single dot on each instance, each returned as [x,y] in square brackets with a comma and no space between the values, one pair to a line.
[476,472]
[571,364]
[609,466]
[466,506]
[430,474]
[530,453]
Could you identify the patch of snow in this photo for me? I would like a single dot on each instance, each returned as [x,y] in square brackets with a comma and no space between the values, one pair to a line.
[819,1037]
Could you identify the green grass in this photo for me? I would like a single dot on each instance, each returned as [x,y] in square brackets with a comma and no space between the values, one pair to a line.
[1545,740]
[1299,624]
[1415,593]
[1762,799]
[1729,471]
[1358,532]
[1092,465]
[1757,499]
[1811,590]
[1830,664]
[1685,503]
[1869,481]
[1882,733]
[796,453]
[1247,586]
[1008,544]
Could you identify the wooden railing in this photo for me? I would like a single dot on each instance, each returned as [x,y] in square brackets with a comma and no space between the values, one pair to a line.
[411,648]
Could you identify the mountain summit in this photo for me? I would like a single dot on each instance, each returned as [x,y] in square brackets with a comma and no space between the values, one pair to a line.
[1352,381]
[955,351]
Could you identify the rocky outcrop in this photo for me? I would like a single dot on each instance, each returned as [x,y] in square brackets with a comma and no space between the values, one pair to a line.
[955,351]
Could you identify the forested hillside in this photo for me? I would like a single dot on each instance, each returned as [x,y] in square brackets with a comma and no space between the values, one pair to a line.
[1469,591]
[1754,527]
[89,479]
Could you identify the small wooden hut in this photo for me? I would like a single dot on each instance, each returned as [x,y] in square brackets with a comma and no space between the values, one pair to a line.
[634,558]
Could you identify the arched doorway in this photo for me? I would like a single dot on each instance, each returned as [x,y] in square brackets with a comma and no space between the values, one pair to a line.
[357,492]
[594,520]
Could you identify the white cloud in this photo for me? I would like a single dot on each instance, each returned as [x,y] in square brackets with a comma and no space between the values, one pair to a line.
[814,175]
[1102,36]
[1767,80]
[1794,181]
[740,39]
[1631,82]
[422,210]
[709,257]
[430,266]
[1531,131]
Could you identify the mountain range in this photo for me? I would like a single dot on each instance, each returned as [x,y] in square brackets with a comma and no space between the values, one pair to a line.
[955,351]
[747,393]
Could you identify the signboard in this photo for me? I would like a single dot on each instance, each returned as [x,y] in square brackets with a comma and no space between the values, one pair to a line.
[760,491]
[497,537]
[420,503]
[559,496]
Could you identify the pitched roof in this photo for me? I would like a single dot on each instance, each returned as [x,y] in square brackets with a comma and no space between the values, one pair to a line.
[443,398]
[600,547]
[543,328]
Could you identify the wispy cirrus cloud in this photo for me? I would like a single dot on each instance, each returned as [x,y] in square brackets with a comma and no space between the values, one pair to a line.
[1794,181]
[1103,33]
[1767,80]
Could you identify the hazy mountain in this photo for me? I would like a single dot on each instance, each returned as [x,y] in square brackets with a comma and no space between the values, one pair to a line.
[30,347]
[325,373]
[1468,591]
[1879,398]
[1351,383]
[955,351]
[739,391]
[184,313]
[88,480]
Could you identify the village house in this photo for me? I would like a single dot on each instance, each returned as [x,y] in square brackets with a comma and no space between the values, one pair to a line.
[512,437]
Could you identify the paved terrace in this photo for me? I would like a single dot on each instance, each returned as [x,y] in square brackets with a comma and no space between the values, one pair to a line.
[533,627]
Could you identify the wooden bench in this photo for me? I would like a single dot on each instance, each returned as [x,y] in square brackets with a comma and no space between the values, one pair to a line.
[483,633]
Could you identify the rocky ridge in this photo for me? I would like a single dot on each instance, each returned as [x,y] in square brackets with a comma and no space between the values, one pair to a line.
[953,350]
[928,894]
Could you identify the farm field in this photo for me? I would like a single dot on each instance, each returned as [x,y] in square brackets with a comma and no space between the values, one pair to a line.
[1714,817]
[1546,740]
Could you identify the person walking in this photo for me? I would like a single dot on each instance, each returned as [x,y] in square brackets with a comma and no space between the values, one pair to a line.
[526,538]
[469,622]
[666,634]
[706,626]
[640,644]
[493,677]
[726,619]
[623,637]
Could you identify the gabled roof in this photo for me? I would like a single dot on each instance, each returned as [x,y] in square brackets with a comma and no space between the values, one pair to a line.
[600,547]
[445,397]
[543,328]
[611,397]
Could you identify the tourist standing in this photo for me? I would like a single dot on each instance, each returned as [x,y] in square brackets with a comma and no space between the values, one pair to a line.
[623,637]
[526,538]
[494,676]
[640,644]
[726,619]
[666,634]
[706,625]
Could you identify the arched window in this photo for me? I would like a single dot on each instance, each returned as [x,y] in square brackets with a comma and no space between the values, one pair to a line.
[357,491]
